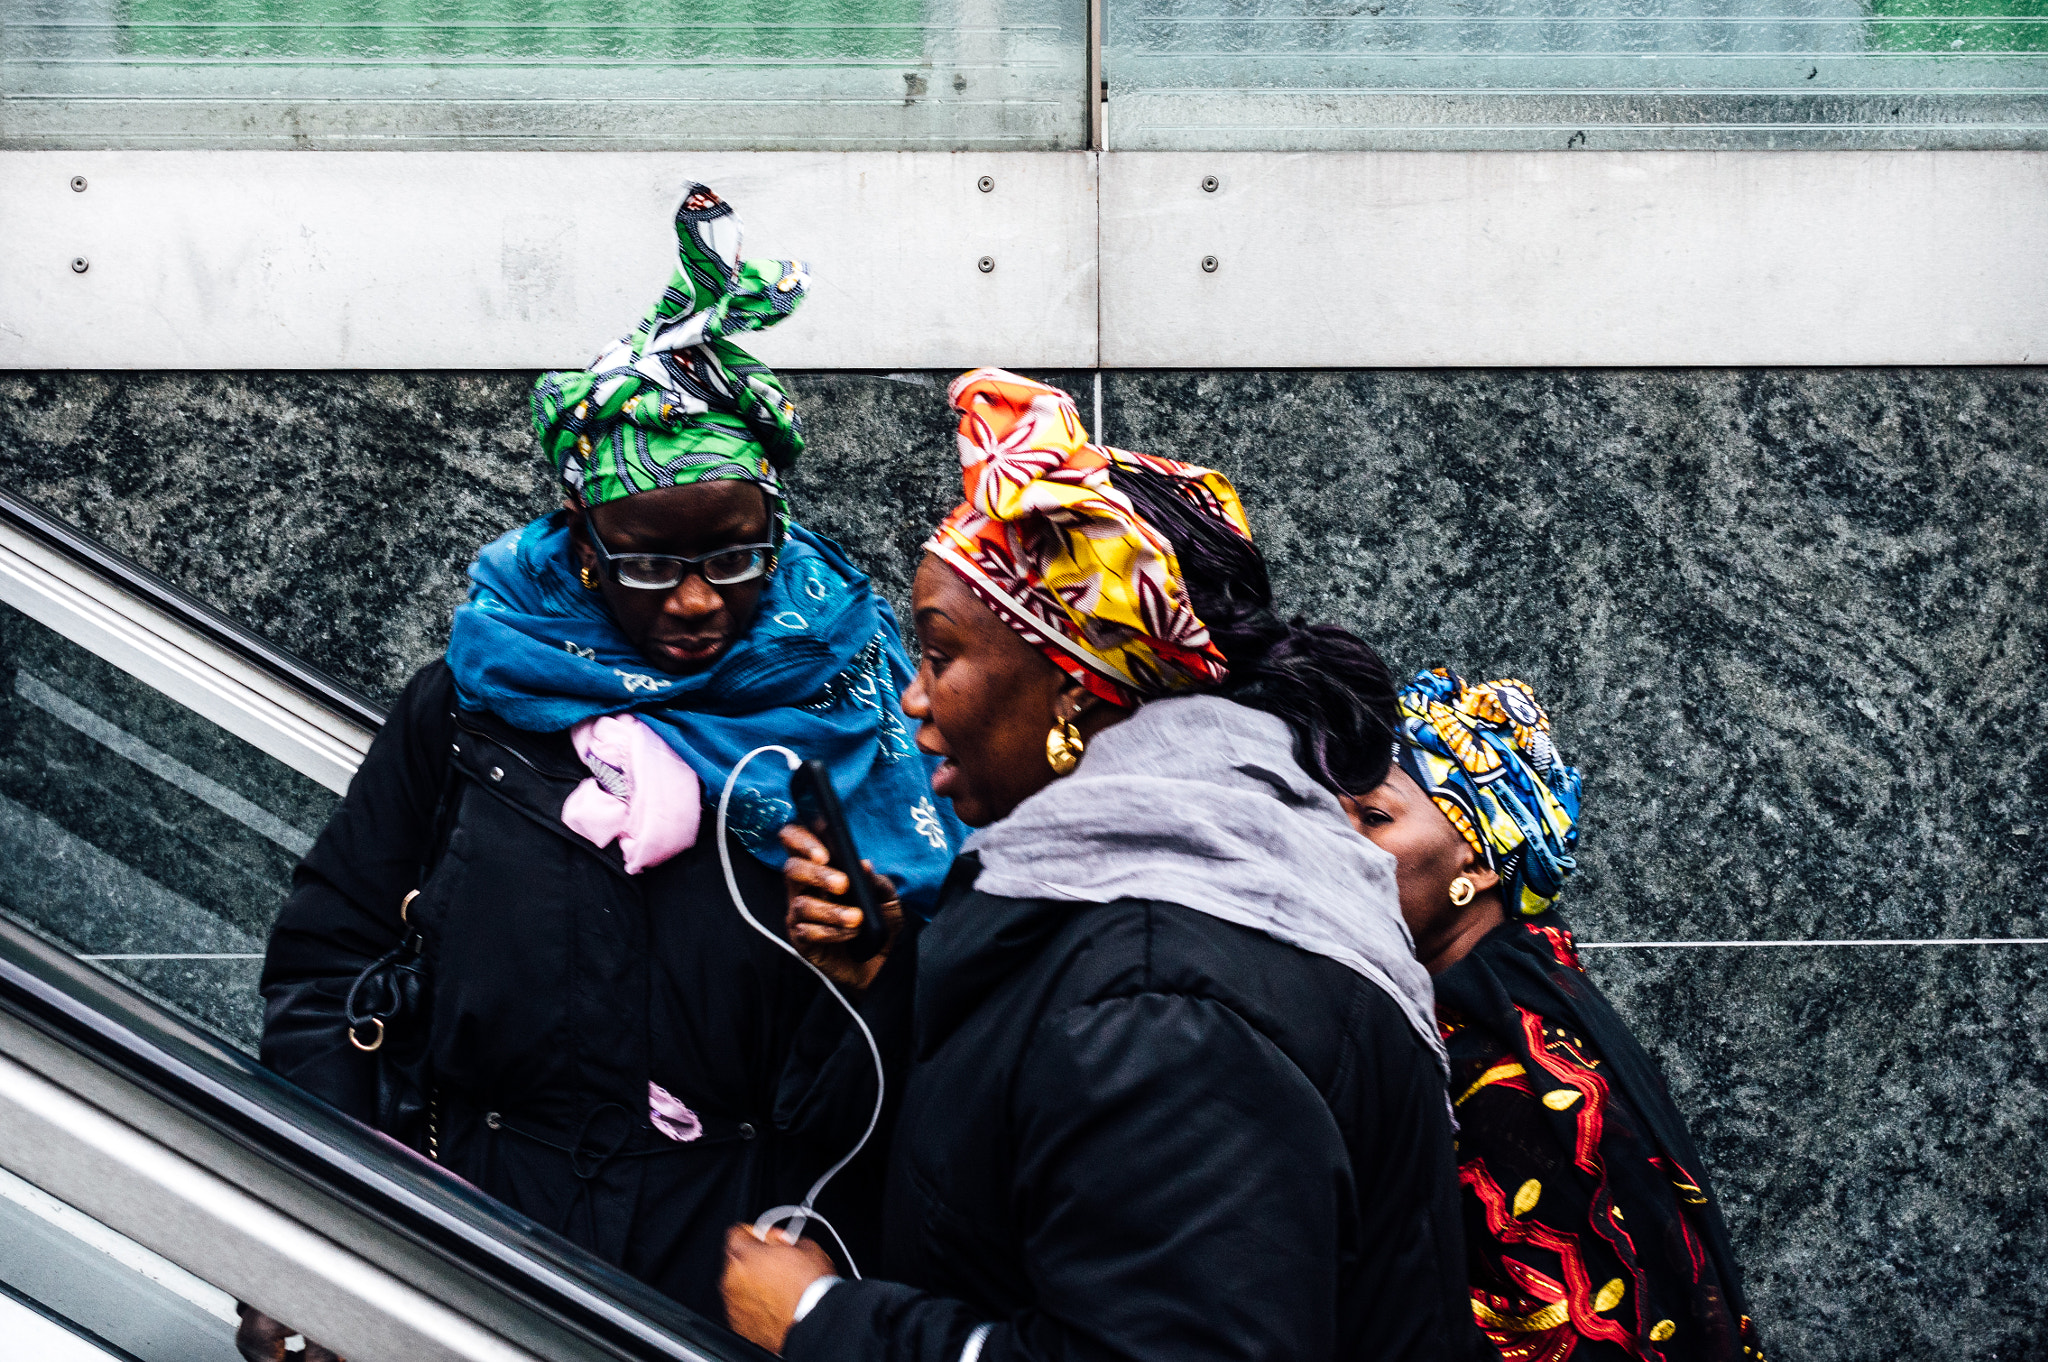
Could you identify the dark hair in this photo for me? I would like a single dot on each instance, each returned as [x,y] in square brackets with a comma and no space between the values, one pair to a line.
[1327,683]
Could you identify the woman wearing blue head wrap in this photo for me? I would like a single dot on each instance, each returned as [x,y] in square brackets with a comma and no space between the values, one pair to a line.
[1591,1232]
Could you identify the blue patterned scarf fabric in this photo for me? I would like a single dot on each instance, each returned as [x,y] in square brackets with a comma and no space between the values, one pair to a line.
[1482,751]
[820,671]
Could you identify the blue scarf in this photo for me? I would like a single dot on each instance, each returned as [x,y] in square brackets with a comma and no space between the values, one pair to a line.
[820,671]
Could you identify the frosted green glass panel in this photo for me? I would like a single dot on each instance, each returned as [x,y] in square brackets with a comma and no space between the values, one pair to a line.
[1518,74]
[621,74]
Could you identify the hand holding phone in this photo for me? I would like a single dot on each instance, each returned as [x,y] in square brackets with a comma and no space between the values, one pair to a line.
[819,813]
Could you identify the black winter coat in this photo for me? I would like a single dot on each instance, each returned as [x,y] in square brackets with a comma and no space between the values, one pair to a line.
[559,987]
[1134,1131]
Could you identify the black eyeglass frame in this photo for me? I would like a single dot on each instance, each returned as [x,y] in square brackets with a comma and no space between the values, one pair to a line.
[763,563]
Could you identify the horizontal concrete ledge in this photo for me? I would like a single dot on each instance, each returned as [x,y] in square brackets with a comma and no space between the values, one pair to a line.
[1573,260]
[1859,941]
[403,260]
[530,260]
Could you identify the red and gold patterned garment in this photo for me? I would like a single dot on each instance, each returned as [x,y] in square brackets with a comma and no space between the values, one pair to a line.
[1586,1236]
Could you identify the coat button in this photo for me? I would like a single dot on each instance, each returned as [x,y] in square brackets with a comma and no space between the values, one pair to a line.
[456,748]
[497,773]
[746,1130]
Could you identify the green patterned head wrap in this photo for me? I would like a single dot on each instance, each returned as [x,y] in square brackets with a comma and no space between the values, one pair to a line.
[677,401]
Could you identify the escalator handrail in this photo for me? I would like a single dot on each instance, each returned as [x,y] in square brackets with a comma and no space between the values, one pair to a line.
[92,1014]
[89,553]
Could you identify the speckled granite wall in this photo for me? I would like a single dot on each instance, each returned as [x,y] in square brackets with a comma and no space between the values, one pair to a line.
[1792,626]
[1790,623]
[336,512]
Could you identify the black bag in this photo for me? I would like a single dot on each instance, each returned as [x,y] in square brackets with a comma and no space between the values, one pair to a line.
[387,1012]
[386,1016]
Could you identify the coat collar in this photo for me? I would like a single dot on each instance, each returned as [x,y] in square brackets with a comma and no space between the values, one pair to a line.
[548,755]
[974,942]
[532,772]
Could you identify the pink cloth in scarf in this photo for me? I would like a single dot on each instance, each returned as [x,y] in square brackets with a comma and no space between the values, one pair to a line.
[639,792]
[666,1112]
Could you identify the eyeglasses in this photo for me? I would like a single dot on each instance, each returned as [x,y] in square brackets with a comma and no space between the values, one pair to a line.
[665,571]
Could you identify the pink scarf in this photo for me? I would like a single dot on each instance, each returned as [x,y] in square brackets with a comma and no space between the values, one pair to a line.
[639,792]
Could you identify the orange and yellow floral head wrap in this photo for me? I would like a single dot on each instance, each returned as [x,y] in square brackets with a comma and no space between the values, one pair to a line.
[1047,542]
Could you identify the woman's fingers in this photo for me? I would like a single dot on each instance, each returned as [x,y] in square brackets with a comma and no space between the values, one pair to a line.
[808,866]
[884,890]
[816,920]
[801,842]
[825,879]
[819,921]
[259,1337]
[764,1279]
[822,912]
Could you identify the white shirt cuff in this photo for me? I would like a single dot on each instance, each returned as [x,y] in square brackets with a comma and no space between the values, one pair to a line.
[813,1293]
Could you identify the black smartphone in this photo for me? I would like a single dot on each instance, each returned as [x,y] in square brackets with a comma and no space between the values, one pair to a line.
[817,808]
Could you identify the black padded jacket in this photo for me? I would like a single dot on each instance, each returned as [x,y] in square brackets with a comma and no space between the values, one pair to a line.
[559,987]
[1136,1132]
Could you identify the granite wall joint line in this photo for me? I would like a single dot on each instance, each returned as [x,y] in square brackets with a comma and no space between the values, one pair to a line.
[1873,941]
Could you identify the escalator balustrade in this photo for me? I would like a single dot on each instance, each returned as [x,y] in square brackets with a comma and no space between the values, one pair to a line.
[151,1172]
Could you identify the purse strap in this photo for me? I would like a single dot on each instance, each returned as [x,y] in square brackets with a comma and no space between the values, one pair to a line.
[375,998]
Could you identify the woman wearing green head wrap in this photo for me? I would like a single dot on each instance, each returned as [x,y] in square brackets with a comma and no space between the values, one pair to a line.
[514,946]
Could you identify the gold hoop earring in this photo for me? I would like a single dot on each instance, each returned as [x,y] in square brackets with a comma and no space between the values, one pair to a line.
[1063,746]
[584,576]
[1463,891]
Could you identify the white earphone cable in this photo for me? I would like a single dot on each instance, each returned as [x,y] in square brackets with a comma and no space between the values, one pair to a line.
[799,1214]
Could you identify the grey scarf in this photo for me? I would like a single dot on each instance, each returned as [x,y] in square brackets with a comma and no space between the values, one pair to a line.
[1199,801]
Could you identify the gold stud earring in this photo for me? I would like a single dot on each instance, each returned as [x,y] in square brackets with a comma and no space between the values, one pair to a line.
[1463,891]
[1063,746]
[584,576]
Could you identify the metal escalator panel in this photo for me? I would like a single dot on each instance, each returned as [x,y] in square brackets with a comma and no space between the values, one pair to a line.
[156,785]
[161,772]
[35,1333]
[143,837]
[121,1123]
[110,1294]
[179,645]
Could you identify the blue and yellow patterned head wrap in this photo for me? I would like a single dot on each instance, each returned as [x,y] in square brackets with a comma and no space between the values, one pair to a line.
[677,401]
[1483,753]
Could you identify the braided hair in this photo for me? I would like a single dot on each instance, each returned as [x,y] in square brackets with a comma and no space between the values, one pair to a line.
[1328,684]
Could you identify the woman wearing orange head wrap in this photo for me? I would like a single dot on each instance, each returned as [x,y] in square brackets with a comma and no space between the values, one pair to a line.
[1175,1090]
